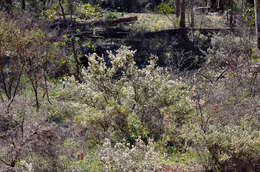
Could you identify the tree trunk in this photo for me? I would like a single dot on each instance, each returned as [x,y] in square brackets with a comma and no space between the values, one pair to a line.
[208,3]
[23,4]
[71,8]
[257,21]
[8,4]
[182,21]
[178,9]
[231,14]
[217,5]
[77,73]
[62,10]
[192,13]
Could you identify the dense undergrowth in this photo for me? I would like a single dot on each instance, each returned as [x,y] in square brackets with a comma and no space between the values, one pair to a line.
[116,116]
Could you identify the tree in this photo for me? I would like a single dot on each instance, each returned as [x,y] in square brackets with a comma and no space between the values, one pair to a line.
[8,4]
[28,52]
[231,14]
[178,9]
[257,21]
[23,4]
[192,13]
[218,4]
[62,10]
[182,20]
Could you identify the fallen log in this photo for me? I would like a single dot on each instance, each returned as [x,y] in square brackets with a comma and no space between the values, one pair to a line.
[107,33]
[202,10]
[121,20]
[110,22]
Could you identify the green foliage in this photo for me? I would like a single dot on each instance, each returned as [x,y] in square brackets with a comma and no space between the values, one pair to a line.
[113,108]
[80,9]
[89,11]
[91,162]
[28,52]
[123,101]
[249,17]
[165,8]
[112,15]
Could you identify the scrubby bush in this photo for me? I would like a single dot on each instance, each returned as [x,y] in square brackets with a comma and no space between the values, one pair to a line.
[227,148]
[225,131]
[229,50]
[25,57]
[229,82]
[119,101]
[26,138]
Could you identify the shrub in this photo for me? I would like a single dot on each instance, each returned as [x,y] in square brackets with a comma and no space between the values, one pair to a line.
[227,148]
[123,157]
[119,100]
[91,162]
[225,131]
[229,82]
[25,136]
[27,54]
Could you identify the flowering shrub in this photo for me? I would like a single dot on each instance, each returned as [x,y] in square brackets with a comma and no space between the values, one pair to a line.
[119,100]
[122,157]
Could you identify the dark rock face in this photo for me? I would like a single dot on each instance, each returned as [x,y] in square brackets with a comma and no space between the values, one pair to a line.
[173,48]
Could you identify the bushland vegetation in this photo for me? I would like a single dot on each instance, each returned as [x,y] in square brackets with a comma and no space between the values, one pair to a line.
[67,104]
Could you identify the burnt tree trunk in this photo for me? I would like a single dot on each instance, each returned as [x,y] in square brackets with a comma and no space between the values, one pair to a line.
[178,9]
[231,14]
[8,4]
[23,4]
[192,13]
[218,4]
[182,20]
